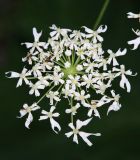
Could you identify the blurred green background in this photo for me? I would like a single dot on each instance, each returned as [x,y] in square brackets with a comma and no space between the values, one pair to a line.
[120,130]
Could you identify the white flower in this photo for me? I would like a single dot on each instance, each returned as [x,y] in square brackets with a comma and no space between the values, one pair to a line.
[90,66]
[22,76]
[101,87]
[43,81]
[57,32]
[72,44]
[115,106]
[113,56]
[81,53]
[35,87]
[124,81]
[27,110]
[36,44]
[68,53]
[76,131]
[93,108]
[67,91]
[81,96]
[31,57]
[67,64]
[79,67]
[53,96]
[77,35]
[135,42]
[36,69]
[87,80]
[103,63]
[73,65]
[50,115]
[86,43]
[133,15]
[57,78]
[74,81]
[73,109]
[95,34]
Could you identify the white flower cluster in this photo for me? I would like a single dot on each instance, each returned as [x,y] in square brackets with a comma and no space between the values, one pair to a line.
[135,42]
[72,65]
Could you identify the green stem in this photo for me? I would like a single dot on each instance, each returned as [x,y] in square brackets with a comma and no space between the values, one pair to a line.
[101,14]
[71,107]
[45,94]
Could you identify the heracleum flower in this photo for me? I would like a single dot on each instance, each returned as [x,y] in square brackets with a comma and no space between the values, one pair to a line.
[21,76]
[76,131]
[93,108]
[73,110]
[113,56]
[115,106]
[50,115]
[136,41]
[31,57]
[124,81]
[53,96]
[36,44]
[35,88]
[27,110]
[81,97]
[73,66]
[95,34]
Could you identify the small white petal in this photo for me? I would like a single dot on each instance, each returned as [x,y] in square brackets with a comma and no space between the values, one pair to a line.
[12,74]
[69,134]
[75,138]
[54,125]
[28,120]
[84,136]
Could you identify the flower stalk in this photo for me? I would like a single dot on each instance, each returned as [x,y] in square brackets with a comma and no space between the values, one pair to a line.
[101,14]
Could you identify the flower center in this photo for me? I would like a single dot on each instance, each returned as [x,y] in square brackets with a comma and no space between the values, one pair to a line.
[75,131]
[28,109]
[69,71]
[50,114]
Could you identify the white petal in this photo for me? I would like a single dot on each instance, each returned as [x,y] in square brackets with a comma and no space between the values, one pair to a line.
[121,53]
[52,108]
[88,30]
[37,93]
[54,125]
[79,123]
[36,35]
[12,74]
[96,113]
[124,81]
[115,63]
[43,117]
[115,107]
[31,91]
[44,112]
[68,110]
[28,45]
[23,112]
[28,120]
[102,29]
[56,115]
[71,126]
[69,134]
[52,33]
[90,112]
[135,42]
[19,83]
[75,138]
[84,136]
